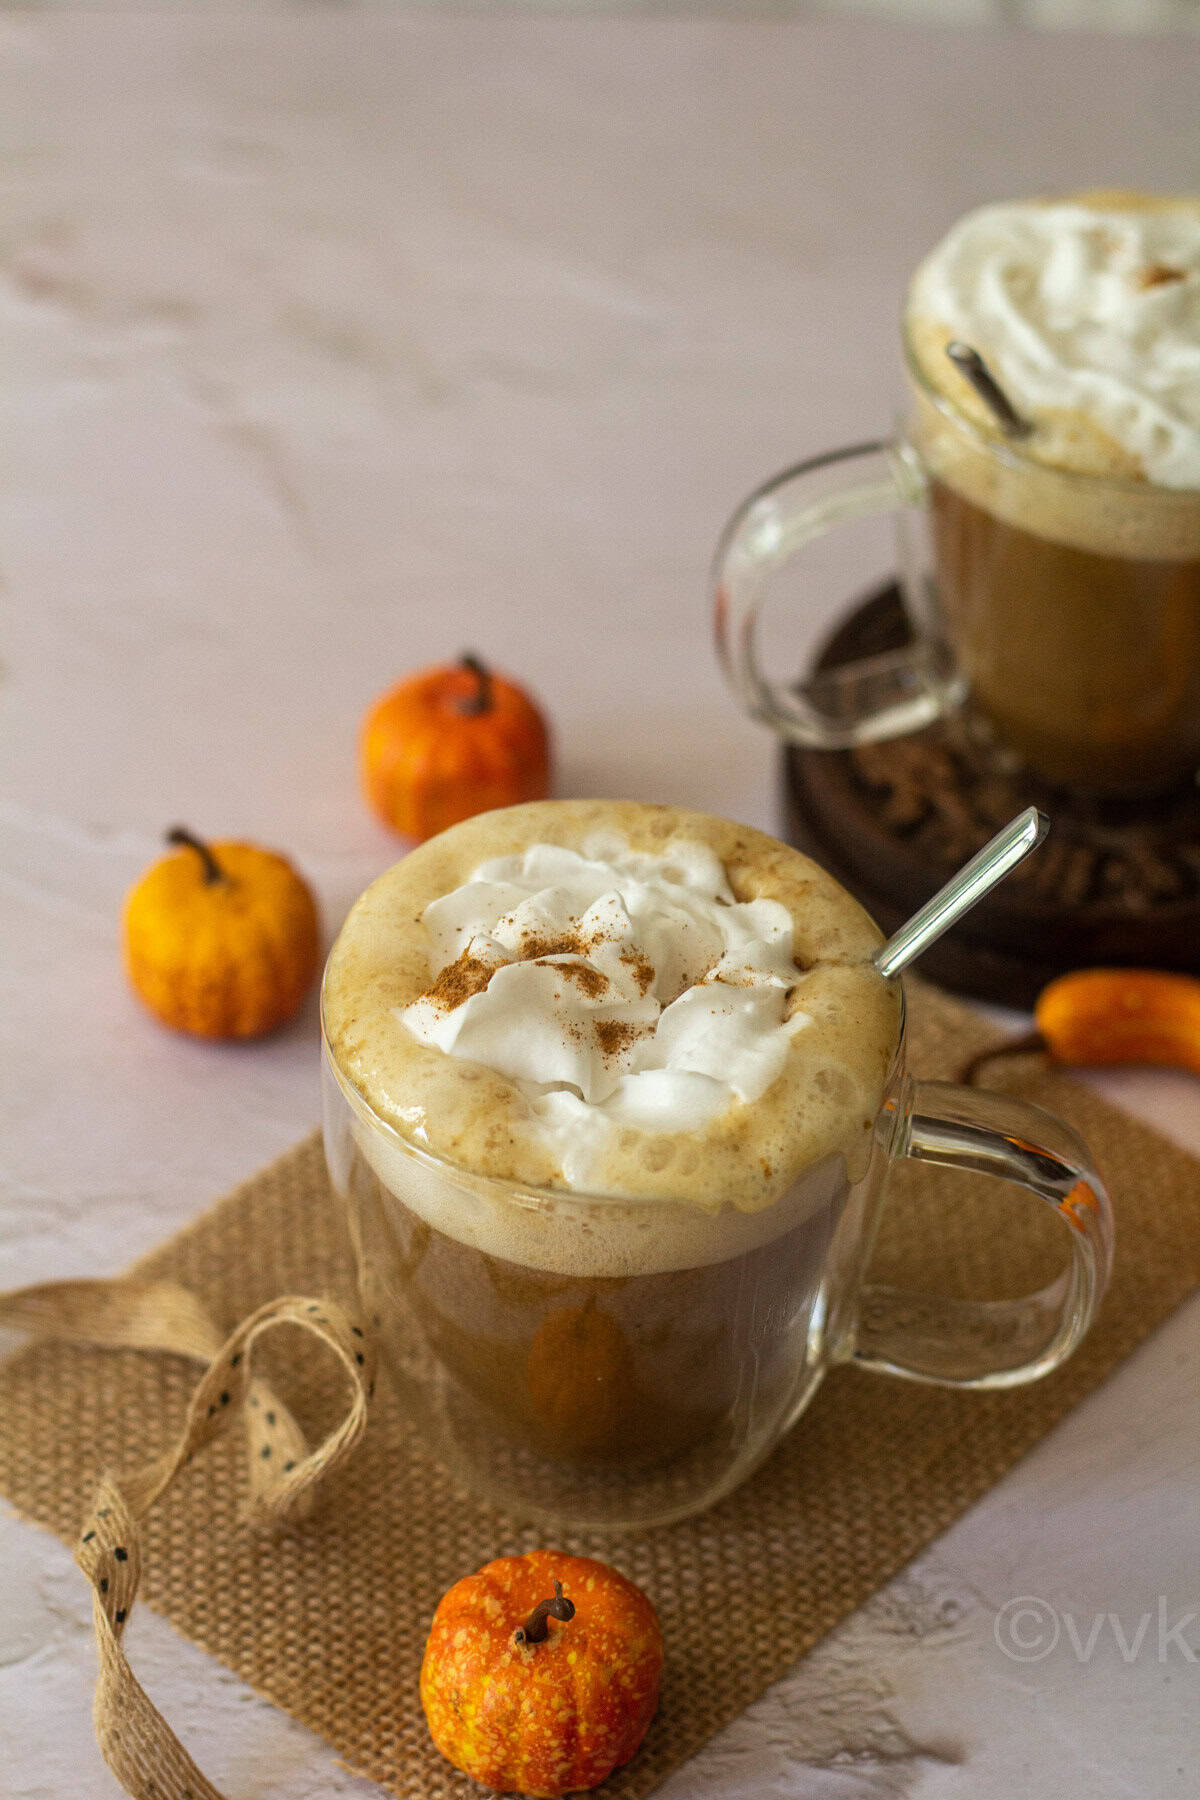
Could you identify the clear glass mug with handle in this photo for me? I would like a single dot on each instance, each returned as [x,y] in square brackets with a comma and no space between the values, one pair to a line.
[570,1377]
[1065,607]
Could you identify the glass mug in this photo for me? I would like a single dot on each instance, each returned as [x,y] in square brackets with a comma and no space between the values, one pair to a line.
[1067,606]
[620,1399]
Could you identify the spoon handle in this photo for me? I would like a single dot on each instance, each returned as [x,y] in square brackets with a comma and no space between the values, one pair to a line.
[973,881]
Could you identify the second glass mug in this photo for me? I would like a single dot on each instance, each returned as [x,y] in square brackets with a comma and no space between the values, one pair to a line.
[611,1400]
[1066,606]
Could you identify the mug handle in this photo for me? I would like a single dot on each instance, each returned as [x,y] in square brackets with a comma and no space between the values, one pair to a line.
[858,703]
[992,1343]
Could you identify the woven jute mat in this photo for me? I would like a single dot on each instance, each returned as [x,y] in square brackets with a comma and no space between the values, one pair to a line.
[328,1618]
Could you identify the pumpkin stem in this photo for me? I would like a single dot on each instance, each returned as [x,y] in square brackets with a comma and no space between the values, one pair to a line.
[481,700]
[213,871]
[536,1627]
[1032,1040]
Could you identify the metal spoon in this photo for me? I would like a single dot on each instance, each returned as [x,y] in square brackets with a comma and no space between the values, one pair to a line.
[970,364]
[977,878]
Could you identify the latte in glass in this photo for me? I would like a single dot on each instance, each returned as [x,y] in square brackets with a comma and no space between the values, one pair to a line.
[610,1089]
[608,999]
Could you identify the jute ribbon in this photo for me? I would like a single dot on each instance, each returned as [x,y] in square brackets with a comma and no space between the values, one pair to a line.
[139,1746]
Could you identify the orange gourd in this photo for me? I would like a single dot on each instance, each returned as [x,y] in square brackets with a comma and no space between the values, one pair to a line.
[450,742]
[580,1377]
[1098,1016]
[541,1673]
[221,940]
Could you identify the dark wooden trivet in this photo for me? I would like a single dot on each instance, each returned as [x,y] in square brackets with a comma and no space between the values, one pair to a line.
[1114,883]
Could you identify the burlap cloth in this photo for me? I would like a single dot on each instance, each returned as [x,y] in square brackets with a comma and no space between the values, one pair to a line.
[328,1619]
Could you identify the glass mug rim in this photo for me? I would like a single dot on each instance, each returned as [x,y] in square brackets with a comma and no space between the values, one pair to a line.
[522,1193]
[1009,453]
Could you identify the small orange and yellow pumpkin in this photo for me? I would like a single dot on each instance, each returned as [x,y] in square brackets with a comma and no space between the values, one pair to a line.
[450,742]
[221,940]
[541,1673]
[580,1377]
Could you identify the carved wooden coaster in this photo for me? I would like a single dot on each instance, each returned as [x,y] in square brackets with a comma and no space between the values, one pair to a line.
[1116,882]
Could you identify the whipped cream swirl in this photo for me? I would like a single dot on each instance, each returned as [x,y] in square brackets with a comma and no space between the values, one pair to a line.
[1087,309]
[614,987]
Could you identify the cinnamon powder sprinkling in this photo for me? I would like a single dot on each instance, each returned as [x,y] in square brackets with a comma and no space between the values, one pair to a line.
[470,975]
[535,945]
[592,982]
[640,966]
[1158,274]
[459,980]
[615,1035]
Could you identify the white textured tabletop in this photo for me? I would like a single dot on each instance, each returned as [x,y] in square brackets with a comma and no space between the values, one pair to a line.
[337,343]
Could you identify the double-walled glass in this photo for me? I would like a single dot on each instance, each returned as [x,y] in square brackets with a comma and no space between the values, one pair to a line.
[593,1382]
[1065,607]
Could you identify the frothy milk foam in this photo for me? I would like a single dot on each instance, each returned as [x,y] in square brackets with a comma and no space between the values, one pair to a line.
[1087,311]
[627,1000]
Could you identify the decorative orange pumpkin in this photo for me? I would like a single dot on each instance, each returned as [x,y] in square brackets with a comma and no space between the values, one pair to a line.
[541,1673]
[1092,1017]
[580,1376]
[450,742]
[221,940]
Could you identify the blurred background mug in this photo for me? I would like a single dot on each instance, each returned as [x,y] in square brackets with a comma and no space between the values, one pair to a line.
[1062,608]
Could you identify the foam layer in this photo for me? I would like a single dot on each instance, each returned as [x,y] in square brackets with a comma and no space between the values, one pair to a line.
[818,1111]
[614,988]
[1088,313]
[578,1238]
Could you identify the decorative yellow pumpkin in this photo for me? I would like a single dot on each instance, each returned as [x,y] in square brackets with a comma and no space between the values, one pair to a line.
[451,742]
[221,940]
[541,1673]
